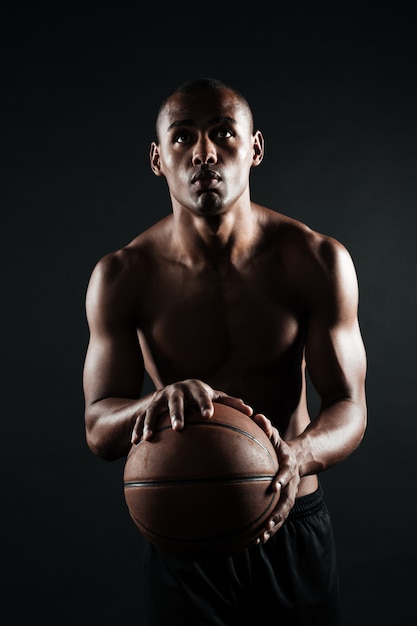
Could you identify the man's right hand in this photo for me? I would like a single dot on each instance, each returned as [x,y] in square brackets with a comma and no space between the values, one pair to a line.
[174,399]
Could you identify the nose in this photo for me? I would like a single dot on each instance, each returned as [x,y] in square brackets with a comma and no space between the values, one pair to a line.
[204,152]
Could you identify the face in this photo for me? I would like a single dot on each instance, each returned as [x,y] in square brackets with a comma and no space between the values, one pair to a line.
[206,150]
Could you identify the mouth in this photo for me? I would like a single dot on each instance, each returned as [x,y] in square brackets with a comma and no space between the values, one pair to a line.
[205,180]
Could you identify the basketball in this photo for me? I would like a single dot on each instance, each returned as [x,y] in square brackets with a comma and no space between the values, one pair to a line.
[206,490]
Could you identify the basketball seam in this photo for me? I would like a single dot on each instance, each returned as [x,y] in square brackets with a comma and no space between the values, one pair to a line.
[219,425]
[176,481]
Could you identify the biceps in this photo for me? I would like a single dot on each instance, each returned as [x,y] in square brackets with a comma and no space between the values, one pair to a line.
[113,366]
[336,361]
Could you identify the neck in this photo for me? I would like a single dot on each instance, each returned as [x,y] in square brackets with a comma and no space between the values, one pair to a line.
[217,238]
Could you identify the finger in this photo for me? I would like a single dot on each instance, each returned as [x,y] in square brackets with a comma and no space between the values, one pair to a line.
[151,417]
[278,517]
[176,411]
[263,422]
[148,431]
[205,404]
[271,431]
[137,431]
[198,396]
[235,403]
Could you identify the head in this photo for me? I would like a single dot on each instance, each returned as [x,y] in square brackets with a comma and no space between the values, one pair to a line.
[199,85]
[206,145]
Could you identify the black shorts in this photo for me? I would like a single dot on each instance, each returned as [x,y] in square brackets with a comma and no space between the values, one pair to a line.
[289,581]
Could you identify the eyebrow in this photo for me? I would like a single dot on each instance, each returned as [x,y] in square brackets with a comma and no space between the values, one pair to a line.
[214,120]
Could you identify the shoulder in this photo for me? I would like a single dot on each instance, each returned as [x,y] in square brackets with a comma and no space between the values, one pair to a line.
[121,274]
[112,272]
[131,262]
[319,267]
[302,248]
[325,275]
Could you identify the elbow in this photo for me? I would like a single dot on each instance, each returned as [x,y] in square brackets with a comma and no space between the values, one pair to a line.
[97,448]
[100,446]
[364,422]
[361,423]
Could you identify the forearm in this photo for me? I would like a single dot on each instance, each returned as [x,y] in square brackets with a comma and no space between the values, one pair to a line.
[109,424]
[331,437]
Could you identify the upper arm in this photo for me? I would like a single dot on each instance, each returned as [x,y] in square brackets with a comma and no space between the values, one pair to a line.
[335,353]
[114,363]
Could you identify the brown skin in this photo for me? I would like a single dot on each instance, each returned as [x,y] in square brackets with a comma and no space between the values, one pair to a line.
[222,300]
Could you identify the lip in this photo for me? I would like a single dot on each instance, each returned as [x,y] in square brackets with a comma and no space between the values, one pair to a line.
[205,175]
[204,180]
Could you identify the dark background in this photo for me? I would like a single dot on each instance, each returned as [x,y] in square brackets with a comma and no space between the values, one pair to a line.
[333,89]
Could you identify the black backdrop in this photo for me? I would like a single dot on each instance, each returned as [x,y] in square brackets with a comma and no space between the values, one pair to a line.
[333,90]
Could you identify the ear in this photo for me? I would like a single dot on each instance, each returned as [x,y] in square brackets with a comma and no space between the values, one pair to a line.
[258,148]
[155,159]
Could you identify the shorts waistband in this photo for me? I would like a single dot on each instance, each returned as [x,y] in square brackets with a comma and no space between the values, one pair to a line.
[307,505]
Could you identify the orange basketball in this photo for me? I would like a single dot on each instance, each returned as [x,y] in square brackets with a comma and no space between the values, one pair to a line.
[205,490]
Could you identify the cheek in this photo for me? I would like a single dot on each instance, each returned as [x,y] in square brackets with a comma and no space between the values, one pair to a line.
[244,157]
[170,160]
[167,165]
[243,164]
[176,175]
[175,166]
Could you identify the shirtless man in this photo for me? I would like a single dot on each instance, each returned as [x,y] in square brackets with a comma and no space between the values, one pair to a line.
[227,300]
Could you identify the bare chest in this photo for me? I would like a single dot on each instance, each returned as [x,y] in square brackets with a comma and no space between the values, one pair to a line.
[218,327]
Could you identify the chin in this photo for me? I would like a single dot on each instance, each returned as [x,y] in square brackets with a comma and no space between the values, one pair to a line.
[209,204]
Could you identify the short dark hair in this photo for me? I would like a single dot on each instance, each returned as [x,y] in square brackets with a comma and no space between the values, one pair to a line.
[201,84]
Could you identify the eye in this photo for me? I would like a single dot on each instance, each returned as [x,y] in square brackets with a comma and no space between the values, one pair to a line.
[224,133]
[181,137]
